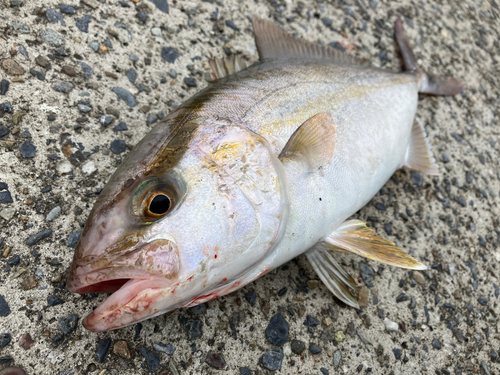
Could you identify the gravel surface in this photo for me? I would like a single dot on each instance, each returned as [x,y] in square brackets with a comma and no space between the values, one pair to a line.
[83,81]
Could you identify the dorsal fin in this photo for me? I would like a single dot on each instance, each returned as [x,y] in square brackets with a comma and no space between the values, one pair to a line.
[225,66]
[274,43]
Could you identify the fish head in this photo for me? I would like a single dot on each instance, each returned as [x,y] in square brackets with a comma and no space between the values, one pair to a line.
[161,238]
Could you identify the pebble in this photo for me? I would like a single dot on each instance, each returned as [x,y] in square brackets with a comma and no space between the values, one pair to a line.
[6,107]
[67,324]
[245,371]
[53,16]
[436,344]
[310,321]
[102,349]
[26,342]
[251,297]
[37,74]
[417,178]
[5,339]
[43,62]
[199,309]
[324,371]
[402,298]
[12,67]
[419,277]
[84,106]
[21,27]
[273,359]
[314,349]
[24,52]
[68,70]
[121,349]
[152,359]
[231,25]
[54,213]
[62,86]
[142,16]
[14,261]
[161,5]
[3,131]
[121,127]
[165,348]
[117,146]
[5,196]
[277,330]
[89,168]
[397,353]
[169,54]
[190,82]
[67,9]
[131,75]
[105,120]
[4,86]
[339,336]
[37,237]
[156,31]
[4,306]
[445,158]
[124,95]
[337,356]
[486,370]
[380,206]
[54,300]
[52,38]
[87,70]
[193,327]
[83,23]
[390,326]
[298,347]
[215,360]
[482,301]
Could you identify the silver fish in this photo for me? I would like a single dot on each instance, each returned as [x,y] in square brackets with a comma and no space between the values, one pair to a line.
[266,163]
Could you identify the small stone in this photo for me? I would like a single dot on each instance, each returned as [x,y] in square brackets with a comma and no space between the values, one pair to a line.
[397,353]
[169,54]
[29,283]
[89,168]
[12,67]
[54,300]
[6,197]
[245,371]
[324,371]
[152,359]
[73,239]
[62,86]
[37,237]
[417,178]
[156,31]
[14,261]
[339,336]
[402,298]
[111,75]
[161,5]
[7,213]
[418,277]
[337,356]
[102,350]
[436,344]
[231,25]
[24,52]
[199,309]
[277,330]
[52,38]
[273,359]
[67,324]
[251,297]
[215,360]
[117,146]
[53,214]
[5,339]
[165,348]
[380,206]
[4,87]
[298,347]
[87,70]
[314,349]
[445,158]
[26,342]
[6,107]
[124,95]
[4,306]
[142,16]
[121,127]
[43,62]
[106,120]
[84,107]
[83,23]
[37,74]
[131,75]
[53,16]
[310,321]
[67,9]
[390,326]
[3,131]
[190,82]
[22,28]
[68,70]
[482,301]
[121,349]
[363,296]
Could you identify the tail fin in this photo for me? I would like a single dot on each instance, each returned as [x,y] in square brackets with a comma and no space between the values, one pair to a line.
[427,83]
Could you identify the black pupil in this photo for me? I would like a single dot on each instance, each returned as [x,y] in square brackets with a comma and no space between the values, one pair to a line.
[160,204]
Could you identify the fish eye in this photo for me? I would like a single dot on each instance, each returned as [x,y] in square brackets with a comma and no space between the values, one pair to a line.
[159,205]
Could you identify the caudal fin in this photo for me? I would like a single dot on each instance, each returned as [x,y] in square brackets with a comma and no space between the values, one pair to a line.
[427,83]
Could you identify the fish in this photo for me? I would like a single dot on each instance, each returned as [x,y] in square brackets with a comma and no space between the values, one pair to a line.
[268,162]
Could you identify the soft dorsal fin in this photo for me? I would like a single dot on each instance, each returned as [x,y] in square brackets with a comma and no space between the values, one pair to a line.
[314,141]
[274,43]
[419,155]
[227,65]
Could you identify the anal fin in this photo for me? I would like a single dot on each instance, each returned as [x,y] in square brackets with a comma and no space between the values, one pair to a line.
[338,281]
[419,155]
[314,141]
[355,237]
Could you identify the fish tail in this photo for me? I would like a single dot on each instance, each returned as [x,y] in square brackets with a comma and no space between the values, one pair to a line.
[427,83]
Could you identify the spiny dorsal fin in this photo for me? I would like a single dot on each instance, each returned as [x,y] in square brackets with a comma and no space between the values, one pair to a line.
[337,280]
[226,66]
[314,140]
[419,155]
[274,43]
[355,237]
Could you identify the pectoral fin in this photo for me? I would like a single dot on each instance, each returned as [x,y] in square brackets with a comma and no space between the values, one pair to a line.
[314,141]
[355,237]
[338,281]
[419,155]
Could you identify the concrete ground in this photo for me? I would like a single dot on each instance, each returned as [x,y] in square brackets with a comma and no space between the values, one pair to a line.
[63,131]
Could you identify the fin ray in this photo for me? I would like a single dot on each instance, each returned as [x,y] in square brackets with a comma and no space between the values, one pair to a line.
[226,66]
[355,237]
[419,155]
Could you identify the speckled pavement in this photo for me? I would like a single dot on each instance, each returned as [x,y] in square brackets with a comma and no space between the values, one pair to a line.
[83,82]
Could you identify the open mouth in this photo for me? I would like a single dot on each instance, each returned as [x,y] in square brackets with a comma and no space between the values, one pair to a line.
[109,286]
